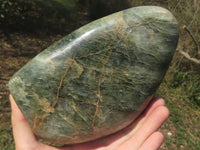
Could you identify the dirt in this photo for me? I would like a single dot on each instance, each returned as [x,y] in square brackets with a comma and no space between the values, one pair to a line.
[15,51]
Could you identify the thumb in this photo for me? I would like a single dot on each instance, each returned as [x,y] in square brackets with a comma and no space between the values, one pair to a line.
[23,135]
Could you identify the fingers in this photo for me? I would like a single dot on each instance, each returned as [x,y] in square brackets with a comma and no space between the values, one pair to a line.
[153,122]
[150,125]
[22,132]
[153,142]
[155,103]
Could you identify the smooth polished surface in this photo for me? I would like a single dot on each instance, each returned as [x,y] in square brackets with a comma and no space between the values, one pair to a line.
[98,79]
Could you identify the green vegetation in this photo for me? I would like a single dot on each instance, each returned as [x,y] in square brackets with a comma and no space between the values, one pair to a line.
[181,99]
[6,139]
[27,27]
[38,14]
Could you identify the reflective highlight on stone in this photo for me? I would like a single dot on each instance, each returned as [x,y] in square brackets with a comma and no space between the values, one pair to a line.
[98,79]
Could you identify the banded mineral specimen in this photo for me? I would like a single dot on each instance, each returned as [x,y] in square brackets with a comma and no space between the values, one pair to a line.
[98,79]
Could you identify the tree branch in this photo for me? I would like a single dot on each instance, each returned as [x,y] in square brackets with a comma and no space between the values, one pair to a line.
[197,46]
[186,55]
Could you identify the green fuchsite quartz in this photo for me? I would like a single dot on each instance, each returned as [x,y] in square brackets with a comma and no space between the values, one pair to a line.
[98,79]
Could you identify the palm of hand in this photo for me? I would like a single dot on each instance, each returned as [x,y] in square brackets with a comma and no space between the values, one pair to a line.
[142,134]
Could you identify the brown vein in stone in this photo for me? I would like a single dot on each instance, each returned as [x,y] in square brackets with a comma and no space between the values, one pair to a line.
[61,83]
[91,54]
[105,61]
[38,120]
[44,104]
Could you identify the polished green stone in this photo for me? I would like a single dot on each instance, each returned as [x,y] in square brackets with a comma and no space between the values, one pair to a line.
[98,79]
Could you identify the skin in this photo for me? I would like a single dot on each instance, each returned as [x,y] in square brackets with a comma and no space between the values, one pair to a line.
[142,134]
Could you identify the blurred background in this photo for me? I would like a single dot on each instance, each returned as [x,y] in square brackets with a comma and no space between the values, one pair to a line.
[28,27]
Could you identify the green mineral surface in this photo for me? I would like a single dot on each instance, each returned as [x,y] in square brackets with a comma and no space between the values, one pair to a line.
[98,79]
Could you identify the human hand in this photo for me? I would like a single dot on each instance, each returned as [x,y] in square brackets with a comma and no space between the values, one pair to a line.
[142,134]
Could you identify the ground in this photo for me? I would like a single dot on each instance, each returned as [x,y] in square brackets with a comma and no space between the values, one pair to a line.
[15,51]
